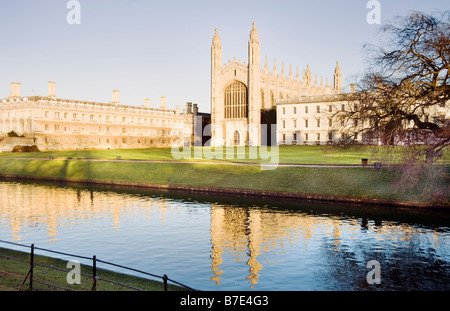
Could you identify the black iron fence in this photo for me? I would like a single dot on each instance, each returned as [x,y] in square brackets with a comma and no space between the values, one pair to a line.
[94,277]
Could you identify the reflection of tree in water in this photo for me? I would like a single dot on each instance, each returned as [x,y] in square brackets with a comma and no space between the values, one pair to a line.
[406,264]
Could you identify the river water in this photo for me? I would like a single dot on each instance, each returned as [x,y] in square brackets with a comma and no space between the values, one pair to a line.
[225,243]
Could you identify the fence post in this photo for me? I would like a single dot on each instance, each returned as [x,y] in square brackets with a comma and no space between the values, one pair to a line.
[31,267]
[165,278]
[30,271]
[94,273]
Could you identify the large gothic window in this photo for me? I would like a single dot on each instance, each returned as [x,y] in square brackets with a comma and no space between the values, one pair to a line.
[236,101]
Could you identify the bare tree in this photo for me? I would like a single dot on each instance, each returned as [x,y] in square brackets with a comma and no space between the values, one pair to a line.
[405,94]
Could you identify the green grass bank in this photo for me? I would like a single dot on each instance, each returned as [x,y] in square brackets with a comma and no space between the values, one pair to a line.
[320,155]
[356,184]
[50,274]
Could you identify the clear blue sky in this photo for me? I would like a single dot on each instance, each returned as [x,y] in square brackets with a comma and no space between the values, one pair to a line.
[149,49]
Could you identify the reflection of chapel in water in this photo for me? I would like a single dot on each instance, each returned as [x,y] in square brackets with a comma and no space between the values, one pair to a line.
[250,233]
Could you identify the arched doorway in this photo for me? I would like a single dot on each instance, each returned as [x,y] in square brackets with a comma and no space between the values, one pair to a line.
[236,138]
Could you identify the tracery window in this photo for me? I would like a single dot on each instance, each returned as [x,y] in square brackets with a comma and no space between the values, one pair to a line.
[235,101]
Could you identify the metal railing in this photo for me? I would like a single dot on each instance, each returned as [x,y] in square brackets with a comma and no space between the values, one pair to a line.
[32,264]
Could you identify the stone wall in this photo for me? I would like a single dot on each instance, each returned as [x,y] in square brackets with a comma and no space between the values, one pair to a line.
[7,144]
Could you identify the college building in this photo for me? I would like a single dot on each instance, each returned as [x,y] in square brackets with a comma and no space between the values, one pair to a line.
[313,120]
[308,120]
[241,90]
[53,123]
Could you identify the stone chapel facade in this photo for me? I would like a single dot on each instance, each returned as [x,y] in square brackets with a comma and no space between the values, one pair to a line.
[240,91]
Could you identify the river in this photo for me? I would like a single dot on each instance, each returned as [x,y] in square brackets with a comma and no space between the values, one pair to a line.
[228,243]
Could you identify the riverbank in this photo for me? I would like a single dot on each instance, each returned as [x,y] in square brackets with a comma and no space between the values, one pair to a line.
[50,274]
[323,183]
[302,154]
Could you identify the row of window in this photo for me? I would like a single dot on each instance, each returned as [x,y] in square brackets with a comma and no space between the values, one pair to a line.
[106,129]
[306,109]
[16,127]
[306,123]
[310,136]
[15,114]
[329,108]
[95,141]
[92,117]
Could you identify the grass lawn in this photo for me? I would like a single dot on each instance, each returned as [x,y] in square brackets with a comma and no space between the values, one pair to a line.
[14,266]
[350,182]
[286,154]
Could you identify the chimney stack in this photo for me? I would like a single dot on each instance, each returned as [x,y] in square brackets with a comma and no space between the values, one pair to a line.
[195,109]
[15,89]
[52,89]
[116,99]
[147,102]
[163,102]
[188,108]
[352,88]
